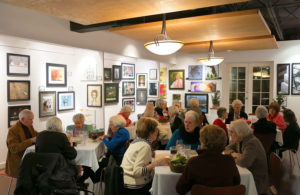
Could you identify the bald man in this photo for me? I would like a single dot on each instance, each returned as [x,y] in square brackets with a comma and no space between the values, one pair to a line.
[19,137]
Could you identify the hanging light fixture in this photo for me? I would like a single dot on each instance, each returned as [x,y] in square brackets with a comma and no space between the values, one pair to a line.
[162,44]
[211,60]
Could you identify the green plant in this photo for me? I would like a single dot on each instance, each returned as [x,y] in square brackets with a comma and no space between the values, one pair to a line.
[280,99]
[216,98]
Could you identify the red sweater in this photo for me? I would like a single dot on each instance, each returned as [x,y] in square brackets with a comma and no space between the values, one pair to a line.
[278,120]
[221,124]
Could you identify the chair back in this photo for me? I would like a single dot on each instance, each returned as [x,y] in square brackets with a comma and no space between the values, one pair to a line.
[229,190]
[267,140]
[275,166]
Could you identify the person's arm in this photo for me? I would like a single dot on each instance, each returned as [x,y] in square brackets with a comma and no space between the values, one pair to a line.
[248,155]
[14,143]
[231,148]
[280,122]
[184,183]
[120,138]
[69,152]
[172,141]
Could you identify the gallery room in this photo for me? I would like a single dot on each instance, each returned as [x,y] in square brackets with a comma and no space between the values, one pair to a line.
[102,58]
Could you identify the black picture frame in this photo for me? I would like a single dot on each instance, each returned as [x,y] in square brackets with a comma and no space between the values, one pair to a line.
[13,113]
[141,96]
[128,88]
[56,75]
[18,64]
[283,84]
[180,83]
[107,74]
[295,79]
[47,103]
[18,90]
[65,100]
[116,73]
[203,100]
[129,102]
[94,95]
[141,80]
[111,93]
[153,89]
[128,71]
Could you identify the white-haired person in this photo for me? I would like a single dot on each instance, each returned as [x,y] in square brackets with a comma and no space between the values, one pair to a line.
[125,113]
[263,126]
[79,127]
[195,106]
[248,152]
[161,110]
[175,120]
[236,112]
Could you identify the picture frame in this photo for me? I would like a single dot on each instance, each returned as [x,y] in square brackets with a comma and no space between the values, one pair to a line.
[163,90]
[13,113]
[94,95]
[195,72]
[18,90]
[129,102]
[65,100]
[107,74]
[116,73]
[56,75]
[176,79]
[153,89]
[18,64]
[128,71]
[47,103]
[283,79]
[111,93]
[153,74]
[141,96]
[211,72]
[141,80]
[203,100]
[295,79]
[176,97]
[203,86]
[128,88]
[163,74]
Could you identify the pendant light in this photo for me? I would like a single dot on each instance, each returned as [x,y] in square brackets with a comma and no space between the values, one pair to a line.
[211,60]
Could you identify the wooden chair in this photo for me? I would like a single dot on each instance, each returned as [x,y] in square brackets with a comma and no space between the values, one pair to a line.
[229,190]
[267,140]
[276,170]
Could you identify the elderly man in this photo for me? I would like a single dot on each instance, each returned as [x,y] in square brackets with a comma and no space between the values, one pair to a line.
[20,136]
[125,112]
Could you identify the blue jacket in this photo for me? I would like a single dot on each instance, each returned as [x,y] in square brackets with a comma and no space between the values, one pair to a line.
[117,144]
[176,136]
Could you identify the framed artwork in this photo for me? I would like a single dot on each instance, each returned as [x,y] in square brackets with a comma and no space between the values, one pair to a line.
[129,102]
[211,72]
[296,79]
[66,100]
[89,72]
[195,72]
[153,102]
[176,97]
[163,90]
[47,103]
[13,113]
[128,71]
[153,74]
[141,96]
[163,74]
[111,92]
[128,88]
[283,79]
[116,73]
[56,75]
[203,86]
[176,79]
[153,89]
[107,74]
[18,65]
[18,90]
[203,100]
[141,79]
[94,96]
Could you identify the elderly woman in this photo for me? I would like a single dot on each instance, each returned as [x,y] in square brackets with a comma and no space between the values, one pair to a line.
[125,112]
[263,126]
[222,114]
[237,112]
[292,131]
[200,170]
[275,116]
[249,153]
[79,126]
[137,162]
[161,108]
[188,133]
[175,120]
[194,105]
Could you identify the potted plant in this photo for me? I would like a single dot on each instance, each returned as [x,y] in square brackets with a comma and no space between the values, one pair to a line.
[280,99]
[216,99]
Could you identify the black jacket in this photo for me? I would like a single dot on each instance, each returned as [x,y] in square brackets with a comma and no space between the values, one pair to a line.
[176,124]
[291,136]
[263,126]
[231,115]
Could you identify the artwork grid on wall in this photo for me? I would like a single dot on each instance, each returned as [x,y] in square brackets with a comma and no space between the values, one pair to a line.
[176,79]
[141,96]
[94,95]
[111,92]
[195,72]
[203,100]
[116,73]
[18,90]
[128,71]
[296,79]
[18,64]
[47,103]
[153,74]
[153,89]
[13,113]
[128,88]
[141,80]
[66,100]
[129,102]
[56,75]
[107,74]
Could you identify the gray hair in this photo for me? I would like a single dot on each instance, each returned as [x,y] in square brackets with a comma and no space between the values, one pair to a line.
[194,115]
[159,102]
[241,128]
[174,110]
[221,111]
[126,109]
[261,112]
[237,102]
[118,121]
[194,102]
[78,118]
[54,124]
[25,113]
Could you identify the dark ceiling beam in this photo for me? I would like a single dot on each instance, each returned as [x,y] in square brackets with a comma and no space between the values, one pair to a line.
[274,19]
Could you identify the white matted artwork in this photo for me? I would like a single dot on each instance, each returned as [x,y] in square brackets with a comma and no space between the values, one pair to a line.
[89,72]
[90,116]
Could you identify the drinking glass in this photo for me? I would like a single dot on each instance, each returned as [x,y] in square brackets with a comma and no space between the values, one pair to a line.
[179,144]
[173,151]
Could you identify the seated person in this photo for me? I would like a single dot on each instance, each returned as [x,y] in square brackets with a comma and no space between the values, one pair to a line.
[125,112]
[222,114]
[195,106]
[188,133]
[79,126]
[161,110]
[175,120]
[236,113]
[210,168]
[263,126]
[275,116]
[291,134]
[137,162]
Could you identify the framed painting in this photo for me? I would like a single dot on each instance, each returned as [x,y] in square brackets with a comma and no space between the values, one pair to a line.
[13,113]
[18,65]
[141,80]
[283,79]
[163,90]
[163,74]
[111,92]
[129,102]
[66,100]
[116,73]
[153,89]
[203,101]
[296,79]
[176,79]
[211,72]
[195,72]
[141,96]
[107,74]
[94,96]
[203,86]
[128,71]
[56,75]
[18,90]
[47,103]
[176,97]
[153,74]
[128,88]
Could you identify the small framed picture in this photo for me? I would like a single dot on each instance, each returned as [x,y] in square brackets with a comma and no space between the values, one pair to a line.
[141,80]
[128,71]
[18,90]
[56,75]
[18,65]
[111,92]
[13,113]
[116,73]
[153,89]
[94,95]
[128,88]
[66,100]
[107,74]
[163,90]
[176,97]
[195,72]
[283,79]
[296,79]
[47,103]
[153,74]
[129,102]
[176,79]
[141,96]
[203,86]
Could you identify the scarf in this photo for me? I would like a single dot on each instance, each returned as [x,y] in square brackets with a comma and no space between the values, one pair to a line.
[190,138]
[128,121]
